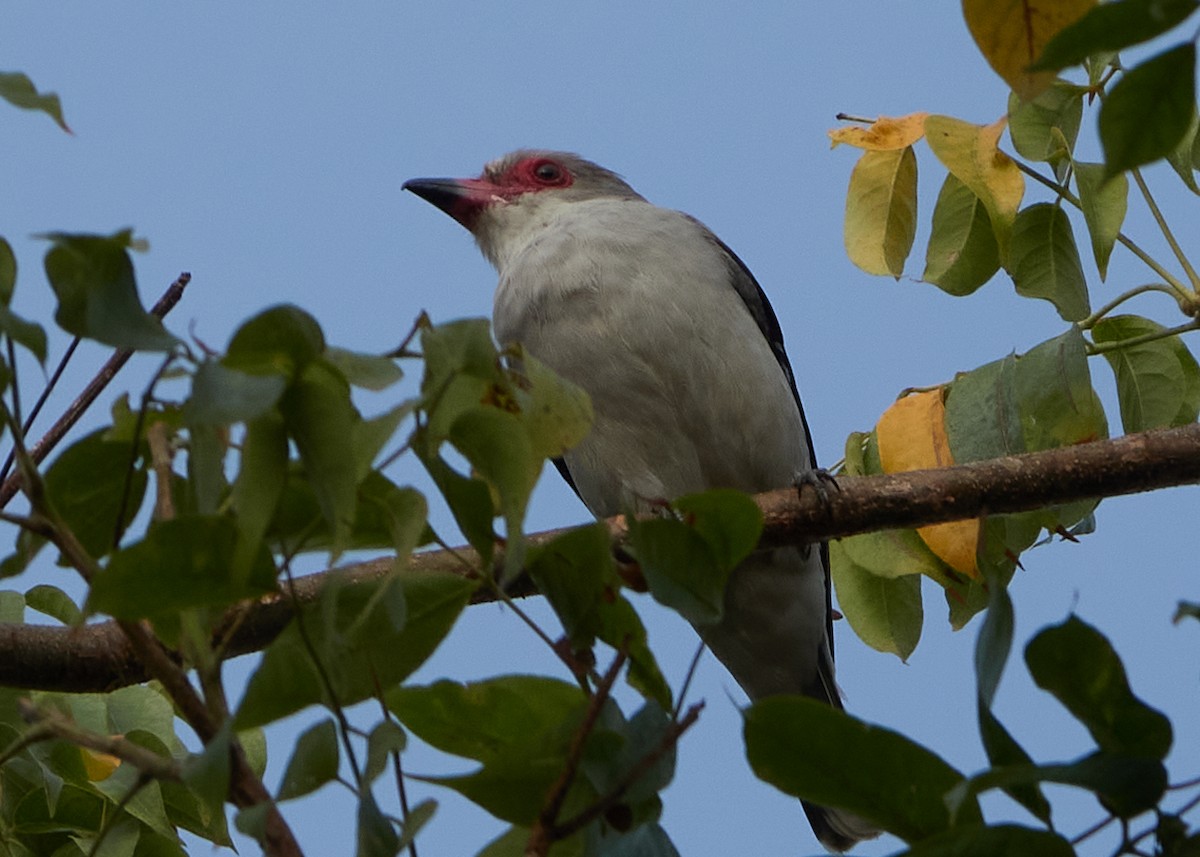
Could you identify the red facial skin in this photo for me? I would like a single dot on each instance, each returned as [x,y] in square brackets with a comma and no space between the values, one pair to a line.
[464,199]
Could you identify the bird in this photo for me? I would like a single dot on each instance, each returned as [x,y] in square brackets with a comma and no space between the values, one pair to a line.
[675,342]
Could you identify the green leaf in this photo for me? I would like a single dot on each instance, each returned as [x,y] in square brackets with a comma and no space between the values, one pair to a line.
[321,418]
[385,739]
[314,761]
[53,602]
[815,752]
[962,253]
[92,276]
[360,645]
[1180,158]
[469,500]
[498,448]
[371,435]
[262,474]
[222,396]
[281,340]
[1158,382]
[1111,27]
[991,654]
[181,564]
[376,835]
[28,334]
[1185,610]
[557,414]
[206,485]
[207,776]
[369,371]
[681,567]
[885,613]
[1058,404]
[18,90]
[881,211]
[1077,664]
[1104,203]
[1125,785]
[1045,262]
[12,607]
[982,417]
[8,272]
[1149,111]
[463,348]
[87,485]
[519,727]
[1002,840]
[1040,128]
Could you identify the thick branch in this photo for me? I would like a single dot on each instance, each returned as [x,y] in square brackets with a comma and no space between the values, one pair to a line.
[97,658]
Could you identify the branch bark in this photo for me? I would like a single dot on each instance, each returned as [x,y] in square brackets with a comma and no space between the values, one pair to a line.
[98,658]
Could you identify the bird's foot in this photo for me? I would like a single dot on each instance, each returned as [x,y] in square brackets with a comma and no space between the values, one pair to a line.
[820,480]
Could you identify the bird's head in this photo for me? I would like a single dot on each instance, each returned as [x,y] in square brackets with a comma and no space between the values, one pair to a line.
[517,194]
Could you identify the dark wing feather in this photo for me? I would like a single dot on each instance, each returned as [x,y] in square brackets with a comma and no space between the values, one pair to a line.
[760,309]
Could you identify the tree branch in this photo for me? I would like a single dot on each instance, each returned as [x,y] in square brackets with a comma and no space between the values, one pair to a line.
[97,658]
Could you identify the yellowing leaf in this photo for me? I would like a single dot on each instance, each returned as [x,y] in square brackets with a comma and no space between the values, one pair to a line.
[886,132]
[881,211]
[99,766]
[972,154]
[912,436]
[1012,35]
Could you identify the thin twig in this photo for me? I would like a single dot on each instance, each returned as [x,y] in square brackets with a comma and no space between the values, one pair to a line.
[42,399]
[91,392]
[544,832]
[1165,228]
[604,804]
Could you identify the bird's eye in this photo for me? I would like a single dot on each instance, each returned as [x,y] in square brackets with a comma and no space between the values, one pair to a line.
[548,172]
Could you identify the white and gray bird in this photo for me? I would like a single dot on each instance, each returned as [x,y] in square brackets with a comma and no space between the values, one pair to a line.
[682,355]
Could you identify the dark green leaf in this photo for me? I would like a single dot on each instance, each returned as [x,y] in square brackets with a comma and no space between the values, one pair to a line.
[281,340]
[8,272]
[484,720]
[207,449]
[1104,203]
[1186,609]
[417,818]
[461,347]
[361,651]
[262,474]
[812,751]
[252,821]
[222,396]
[55,603]
[321,418]
[181,564]
[207,775]
[680,567]
[470,502]
[27,334]
[962,253]
[519,727]
[87,486]
[385,739]
[885,612]
[1180,158]
[1149,111]
[1044,261]
[376,835]
[1077,664]
[982,418]
[12,607]
[1045,128]
[606,767]
[371,435]
[369,371]
[1002,840]
[729,521]
[92,276]
[1058,404]
[1111,27]
[1158,382]
[314,761]
[1126,785]
[18,90]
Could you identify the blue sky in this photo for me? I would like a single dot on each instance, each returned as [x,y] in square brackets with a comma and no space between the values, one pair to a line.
[262,147]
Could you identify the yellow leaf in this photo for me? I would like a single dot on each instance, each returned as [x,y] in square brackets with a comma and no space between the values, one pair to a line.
[1011,35]
[912,436]
[886,132]
[98,766]
[972,153]
[881,211]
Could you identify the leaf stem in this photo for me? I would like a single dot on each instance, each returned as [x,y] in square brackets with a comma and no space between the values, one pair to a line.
[1090,321]
[1093,348]
[1165,228]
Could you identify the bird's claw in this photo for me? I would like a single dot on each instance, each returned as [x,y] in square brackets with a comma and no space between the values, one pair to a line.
[819,479]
